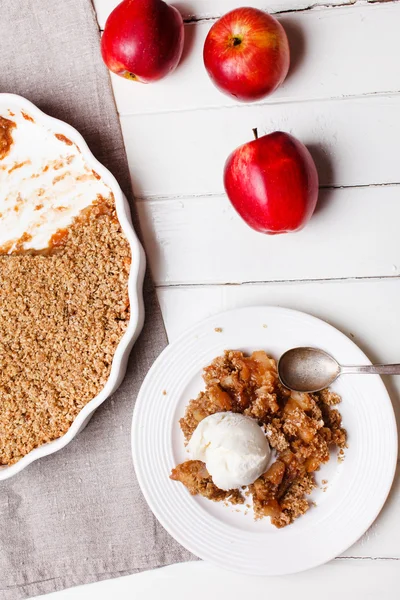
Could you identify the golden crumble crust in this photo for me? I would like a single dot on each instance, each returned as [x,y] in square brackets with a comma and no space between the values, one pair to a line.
[62,316]
[194,475]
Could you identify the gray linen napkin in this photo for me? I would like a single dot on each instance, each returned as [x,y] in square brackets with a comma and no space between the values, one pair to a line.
[77,516]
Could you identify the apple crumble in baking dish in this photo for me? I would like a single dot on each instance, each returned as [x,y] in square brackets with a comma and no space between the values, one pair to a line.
[64,268]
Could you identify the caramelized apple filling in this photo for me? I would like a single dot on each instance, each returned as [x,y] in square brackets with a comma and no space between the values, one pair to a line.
[301,428]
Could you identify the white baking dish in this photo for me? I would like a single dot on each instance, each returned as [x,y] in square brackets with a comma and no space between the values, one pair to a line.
[135,282]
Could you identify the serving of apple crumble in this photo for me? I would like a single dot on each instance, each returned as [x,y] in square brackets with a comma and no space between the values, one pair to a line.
[301,428]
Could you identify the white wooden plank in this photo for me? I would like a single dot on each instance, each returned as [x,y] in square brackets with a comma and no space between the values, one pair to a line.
[367,311]
[354,233]
[347,580]
[354,142]
[206,9]
[328,49]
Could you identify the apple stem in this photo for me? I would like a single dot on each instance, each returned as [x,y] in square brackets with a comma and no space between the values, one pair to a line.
[255,132]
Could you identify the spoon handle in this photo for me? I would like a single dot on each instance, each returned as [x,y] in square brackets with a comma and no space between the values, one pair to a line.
[372,370]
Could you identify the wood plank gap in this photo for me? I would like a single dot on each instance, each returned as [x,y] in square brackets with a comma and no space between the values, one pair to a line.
[367,558]
[312,7]
[171,197]
[269,102]
[204,284]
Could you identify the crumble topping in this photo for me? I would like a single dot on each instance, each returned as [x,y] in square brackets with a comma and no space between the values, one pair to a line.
[302,428]
[194,475]
[62,316]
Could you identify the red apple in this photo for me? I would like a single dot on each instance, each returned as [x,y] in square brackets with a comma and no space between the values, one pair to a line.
[246,54]
[272,182]
[143,40]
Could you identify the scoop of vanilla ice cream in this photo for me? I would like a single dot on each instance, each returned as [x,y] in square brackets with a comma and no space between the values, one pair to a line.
[233,447]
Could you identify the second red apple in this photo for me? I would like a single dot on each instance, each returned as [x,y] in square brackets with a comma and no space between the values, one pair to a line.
[246,54]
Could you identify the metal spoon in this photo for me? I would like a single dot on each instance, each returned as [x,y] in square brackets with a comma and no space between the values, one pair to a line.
[312,370]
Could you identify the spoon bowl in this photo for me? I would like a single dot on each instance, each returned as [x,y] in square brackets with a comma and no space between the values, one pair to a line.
[307,369]
[312,370]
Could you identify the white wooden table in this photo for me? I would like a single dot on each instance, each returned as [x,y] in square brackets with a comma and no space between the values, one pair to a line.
[342,98]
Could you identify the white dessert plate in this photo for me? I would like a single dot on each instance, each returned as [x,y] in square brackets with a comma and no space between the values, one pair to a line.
[138,263]
[227,536]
